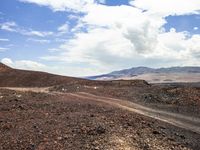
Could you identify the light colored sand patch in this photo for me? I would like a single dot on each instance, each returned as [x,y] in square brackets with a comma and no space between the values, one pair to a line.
[35,89]
[120,143]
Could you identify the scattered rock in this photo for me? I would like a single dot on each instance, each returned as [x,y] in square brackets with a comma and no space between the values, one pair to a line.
[59,138]
[100,130]
[155,132]
[92,115]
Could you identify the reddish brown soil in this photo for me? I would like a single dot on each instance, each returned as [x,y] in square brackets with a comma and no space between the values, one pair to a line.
[4,68]
[21,78]
[61,121]
[184,98]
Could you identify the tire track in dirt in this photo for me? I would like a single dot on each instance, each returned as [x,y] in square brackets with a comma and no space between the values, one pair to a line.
[186,122]
[182,121]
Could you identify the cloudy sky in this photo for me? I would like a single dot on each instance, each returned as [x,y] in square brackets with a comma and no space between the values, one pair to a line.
[89,37]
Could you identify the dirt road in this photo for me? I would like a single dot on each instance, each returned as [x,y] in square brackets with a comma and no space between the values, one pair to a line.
[186,122]
[35,89]
[182,121]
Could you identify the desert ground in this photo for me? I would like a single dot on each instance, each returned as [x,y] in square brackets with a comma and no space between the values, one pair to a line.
[47,112]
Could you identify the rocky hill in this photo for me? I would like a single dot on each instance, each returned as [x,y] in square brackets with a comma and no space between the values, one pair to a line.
[10,77]
[4,68]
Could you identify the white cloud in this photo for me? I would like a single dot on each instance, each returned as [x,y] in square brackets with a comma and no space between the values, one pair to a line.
[66,5]
[127,36]
[194,46]
[4,40]
[8,26]
[61,40]
[115,37]
[63,29]
[195,28]
[7,61]
[62,69]
[36,33]
[13,27]
[53,49]
[62,5]
[42,41]
[30,65]
[2,49]
[23,64]
[168,7]
[73,17]
[101,1]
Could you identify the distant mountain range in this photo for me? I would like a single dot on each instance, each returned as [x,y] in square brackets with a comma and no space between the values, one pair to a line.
[15,77]
[172,74]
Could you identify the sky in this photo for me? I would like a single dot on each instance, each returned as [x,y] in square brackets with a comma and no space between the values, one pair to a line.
[90,37]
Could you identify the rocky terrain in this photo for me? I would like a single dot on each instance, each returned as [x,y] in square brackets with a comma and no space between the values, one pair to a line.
[30,120]
[56,112]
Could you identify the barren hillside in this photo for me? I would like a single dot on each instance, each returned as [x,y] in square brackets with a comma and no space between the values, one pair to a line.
[10,77]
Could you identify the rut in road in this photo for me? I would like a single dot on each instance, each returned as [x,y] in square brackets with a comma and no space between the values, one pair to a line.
[186,122]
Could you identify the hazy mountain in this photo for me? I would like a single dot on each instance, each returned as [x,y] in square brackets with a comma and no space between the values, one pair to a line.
[172,74]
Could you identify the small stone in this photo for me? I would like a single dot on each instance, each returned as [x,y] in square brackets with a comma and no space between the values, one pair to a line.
[100,130]
[19,96]
[155,132]
[182,136]
[91,115]
[96,148]
[59,138]
[32,146]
